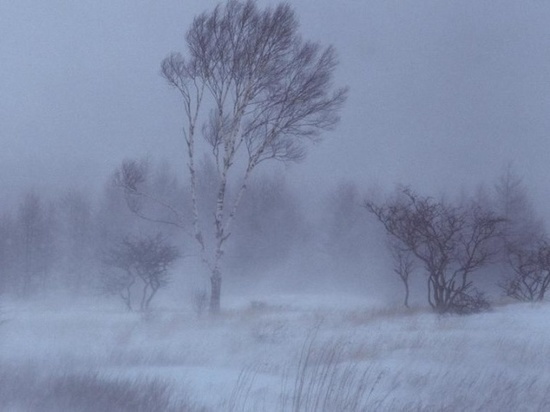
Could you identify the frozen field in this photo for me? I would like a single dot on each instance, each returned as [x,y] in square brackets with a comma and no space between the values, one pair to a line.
[273,353]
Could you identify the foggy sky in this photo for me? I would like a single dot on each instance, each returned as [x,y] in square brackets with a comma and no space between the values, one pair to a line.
[442,93]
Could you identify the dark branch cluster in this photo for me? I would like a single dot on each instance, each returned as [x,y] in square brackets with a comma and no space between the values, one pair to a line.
[451,242]
[269,87]
[531,273]
[132,178]
[135,260]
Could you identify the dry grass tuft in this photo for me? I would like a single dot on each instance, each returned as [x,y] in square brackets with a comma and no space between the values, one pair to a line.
[26,390]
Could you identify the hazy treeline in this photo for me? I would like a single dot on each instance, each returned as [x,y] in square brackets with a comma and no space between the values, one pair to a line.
[62,242]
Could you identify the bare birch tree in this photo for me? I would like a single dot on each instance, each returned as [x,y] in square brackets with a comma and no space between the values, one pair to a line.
[252,90]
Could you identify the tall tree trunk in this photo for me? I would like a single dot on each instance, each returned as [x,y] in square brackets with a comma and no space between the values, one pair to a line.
[215,291]
[406,302]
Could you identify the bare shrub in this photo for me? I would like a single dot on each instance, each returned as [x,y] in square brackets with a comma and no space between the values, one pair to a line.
[472,302]
[451,242]
[144,260]
[531,273]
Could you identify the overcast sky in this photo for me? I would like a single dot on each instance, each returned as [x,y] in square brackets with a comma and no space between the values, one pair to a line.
[442,93]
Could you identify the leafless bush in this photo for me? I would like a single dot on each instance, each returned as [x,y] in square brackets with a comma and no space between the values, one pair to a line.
[472,302]
[451,243]
[531,273]
[139,262]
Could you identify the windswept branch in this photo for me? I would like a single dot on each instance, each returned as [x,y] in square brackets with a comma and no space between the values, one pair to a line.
[131,177]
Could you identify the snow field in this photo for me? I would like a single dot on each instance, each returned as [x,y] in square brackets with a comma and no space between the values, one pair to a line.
[309,352]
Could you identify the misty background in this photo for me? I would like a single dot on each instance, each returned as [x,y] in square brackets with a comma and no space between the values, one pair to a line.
[446,124]
[443,95]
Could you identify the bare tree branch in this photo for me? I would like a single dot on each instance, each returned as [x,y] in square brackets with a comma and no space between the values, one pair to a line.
[131,177]
[531,273]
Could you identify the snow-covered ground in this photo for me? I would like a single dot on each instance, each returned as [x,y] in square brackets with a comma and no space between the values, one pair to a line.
[284,352]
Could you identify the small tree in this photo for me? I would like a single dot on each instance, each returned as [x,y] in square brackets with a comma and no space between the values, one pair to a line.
[255,91]
[76,233]
[403,265]
[8,252]
[36,243]
[524,244]
[531,273]
[522,228]
[135,260]
[451,242]
[344,232]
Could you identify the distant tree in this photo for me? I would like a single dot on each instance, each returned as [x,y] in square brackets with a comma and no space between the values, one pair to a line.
[344,228]
[153,197]
[114,218]
[269,225]
[8,244]
[30,230]
[521,227]
[140,263]
[525,252]
[403,265]
[36,244]
[75,216]
[451,242]
[255,91]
